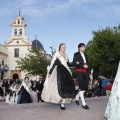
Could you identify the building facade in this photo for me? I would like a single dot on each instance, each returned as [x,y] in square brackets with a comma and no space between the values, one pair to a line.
[17,46]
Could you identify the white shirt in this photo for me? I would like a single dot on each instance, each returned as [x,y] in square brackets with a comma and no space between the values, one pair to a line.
[83,56]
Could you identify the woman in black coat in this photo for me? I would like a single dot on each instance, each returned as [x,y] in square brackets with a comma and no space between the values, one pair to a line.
[24,92]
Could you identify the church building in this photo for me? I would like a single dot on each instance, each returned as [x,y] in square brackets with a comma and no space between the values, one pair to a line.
[16,47]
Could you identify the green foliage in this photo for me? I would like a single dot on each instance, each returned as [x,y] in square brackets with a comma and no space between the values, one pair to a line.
[104,45]
[34,63]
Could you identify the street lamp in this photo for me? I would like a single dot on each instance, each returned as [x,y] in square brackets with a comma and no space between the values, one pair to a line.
[53,51]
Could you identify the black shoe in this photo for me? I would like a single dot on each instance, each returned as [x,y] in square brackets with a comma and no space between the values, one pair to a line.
[62,108]
[77,102]
[85,107]
[42,101]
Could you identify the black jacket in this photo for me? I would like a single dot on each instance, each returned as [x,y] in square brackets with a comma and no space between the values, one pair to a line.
[39,86]
[78,57]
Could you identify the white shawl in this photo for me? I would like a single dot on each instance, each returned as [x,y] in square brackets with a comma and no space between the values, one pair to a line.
[62,59]
[27,87]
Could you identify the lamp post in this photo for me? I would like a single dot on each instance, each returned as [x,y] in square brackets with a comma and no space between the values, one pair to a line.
[53,51]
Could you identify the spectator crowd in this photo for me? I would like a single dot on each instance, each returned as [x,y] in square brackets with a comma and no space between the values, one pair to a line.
[21,91]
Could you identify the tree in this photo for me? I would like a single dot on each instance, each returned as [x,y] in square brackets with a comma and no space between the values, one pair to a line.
[34,63]
[104,46]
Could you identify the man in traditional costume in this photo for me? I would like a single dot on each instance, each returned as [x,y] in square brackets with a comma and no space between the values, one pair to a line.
[81,64]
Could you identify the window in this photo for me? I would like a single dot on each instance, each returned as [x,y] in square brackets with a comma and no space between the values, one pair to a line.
[16,53]
[15,32]
[18,21]
[20,31]
[2,62]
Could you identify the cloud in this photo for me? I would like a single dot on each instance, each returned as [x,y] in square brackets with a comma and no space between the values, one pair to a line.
[98,8]
[45,8]
[41,8]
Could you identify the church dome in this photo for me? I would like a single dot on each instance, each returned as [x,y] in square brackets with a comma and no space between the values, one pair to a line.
[37,44]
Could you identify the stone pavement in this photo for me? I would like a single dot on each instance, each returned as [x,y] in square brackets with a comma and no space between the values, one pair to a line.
[47,111]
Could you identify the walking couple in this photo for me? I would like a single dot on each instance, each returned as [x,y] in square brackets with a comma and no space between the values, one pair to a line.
[59,86]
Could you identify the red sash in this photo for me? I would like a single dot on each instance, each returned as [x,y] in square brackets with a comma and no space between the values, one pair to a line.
[81,69]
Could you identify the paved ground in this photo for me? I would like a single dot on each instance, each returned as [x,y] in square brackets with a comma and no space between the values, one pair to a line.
[46,111]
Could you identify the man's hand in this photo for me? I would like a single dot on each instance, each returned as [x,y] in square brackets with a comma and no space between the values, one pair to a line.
[37,91]
[77,62]
[85,66]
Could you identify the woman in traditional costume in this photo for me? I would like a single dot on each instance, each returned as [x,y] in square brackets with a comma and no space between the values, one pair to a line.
[113,107]
[59,86]
[25,92]
[14,94]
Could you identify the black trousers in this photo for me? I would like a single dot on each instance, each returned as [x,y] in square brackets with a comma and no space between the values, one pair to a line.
[2,75]
[82,79]
[39,97]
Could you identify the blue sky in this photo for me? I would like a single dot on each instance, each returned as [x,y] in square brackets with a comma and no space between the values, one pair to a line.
[59,21]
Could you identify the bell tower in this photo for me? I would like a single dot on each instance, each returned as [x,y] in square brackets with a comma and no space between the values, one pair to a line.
[18,32]
[18,46]
[18,27]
